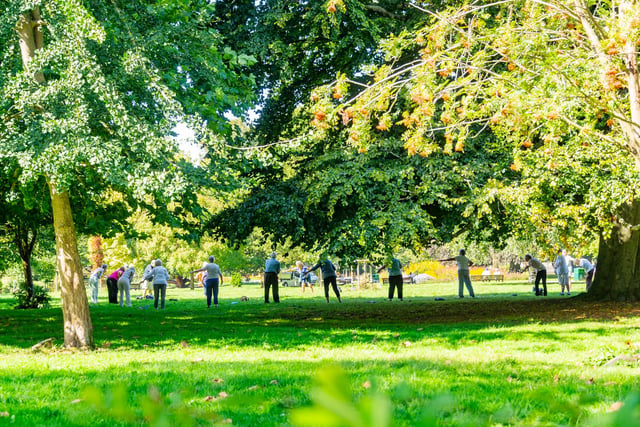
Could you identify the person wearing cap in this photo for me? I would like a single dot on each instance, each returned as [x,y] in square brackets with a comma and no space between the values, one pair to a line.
[271,271]
[464,279]
[541,274]
[94,282]
[213,280]
[159,276]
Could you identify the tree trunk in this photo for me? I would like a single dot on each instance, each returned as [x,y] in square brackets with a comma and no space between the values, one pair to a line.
[618,270]
[24,237]
[28,277]
[78,330]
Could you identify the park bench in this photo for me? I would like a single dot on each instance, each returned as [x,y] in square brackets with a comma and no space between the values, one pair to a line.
[487,277]
[405,280]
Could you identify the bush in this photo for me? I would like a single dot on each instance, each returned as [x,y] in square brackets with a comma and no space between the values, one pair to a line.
[39,299]
[236,280]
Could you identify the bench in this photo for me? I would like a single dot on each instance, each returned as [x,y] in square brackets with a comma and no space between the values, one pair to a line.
[487,277]
[405,280]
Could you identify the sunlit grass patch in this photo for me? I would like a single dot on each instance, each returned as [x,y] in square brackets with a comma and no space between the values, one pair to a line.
[500,359]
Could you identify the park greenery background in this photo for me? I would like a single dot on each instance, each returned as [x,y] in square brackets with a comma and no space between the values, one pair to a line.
[354,129]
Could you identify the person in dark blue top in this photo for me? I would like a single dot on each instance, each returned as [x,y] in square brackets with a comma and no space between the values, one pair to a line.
[271,271]
[328,277]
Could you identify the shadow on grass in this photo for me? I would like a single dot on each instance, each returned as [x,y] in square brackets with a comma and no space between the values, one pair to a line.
[296,323]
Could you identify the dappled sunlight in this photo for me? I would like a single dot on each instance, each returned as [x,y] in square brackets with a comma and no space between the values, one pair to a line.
[249,361]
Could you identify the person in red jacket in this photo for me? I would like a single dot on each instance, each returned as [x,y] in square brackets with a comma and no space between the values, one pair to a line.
[112,285]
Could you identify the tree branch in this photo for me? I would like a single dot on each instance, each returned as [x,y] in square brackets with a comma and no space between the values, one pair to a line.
[382,11]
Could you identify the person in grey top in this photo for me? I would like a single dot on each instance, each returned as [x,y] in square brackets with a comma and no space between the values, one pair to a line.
[94,281]
[395,278]
[329,277]
[214,280]
[124,285]
[159,276]
[147,285]
[271,271]
[541,273]
[463,273]
[562,270]
[589,269]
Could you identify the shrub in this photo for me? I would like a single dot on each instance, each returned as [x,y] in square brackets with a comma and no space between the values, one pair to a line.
[236,280]
[39,299]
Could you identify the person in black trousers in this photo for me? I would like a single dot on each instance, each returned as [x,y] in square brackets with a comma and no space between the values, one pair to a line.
[271,271]
[541,274]
[329,277]
[112,285]
[395,278]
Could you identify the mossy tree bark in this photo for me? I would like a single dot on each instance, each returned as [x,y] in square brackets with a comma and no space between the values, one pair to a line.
[78,329]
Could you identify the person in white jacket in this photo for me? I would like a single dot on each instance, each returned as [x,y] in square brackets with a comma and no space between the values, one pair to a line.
[124,285]
[159,276]
[94,282]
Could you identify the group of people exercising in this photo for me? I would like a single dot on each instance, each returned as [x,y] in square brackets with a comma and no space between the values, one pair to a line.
[156,277]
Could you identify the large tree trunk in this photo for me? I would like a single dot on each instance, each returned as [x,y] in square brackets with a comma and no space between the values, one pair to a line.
[618,269]
[78,330]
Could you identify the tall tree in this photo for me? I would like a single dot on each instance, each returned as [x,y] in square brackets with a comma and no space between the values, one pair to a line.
[556,81]
[89,105]
[300,45]
[24,213]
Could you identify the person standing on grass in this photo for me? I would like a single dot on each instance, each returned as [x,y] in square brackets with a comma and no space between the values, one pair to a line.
[589,270]
[569,260]
[159,276]
[305,280]
[213,280]
[112,285]
[541,274]
[329,277]
[94,282]
[395,278]
[201,277]
[463,273]
[271,271]
[147,285]
[124,285]
[562,270]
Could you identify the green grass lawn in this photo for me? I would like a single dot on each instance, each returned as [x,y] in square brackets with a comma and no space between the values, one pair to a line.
[506,358]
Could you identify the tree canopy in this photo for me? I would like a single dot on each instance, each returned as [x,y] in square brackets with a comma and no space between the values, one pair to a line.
[555,82]
[90,94]
[516,118]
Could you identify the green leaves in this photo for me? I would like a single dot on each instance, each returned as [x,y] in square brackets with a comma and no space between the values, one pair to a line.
[521,81]
[118,77]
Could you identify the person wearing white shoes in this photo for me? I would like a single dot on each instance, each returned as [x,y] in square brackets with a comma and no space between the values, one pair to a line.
[124,285]
[560,264]
[159,276]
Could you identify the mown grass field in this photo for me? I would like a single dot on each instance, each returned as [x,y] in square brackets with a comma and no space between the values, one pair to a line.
[506,358]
